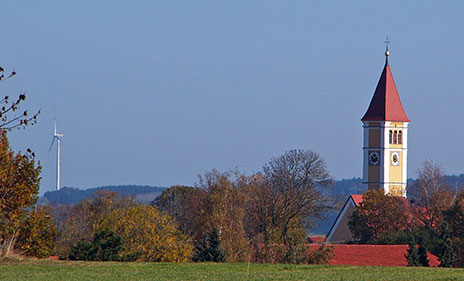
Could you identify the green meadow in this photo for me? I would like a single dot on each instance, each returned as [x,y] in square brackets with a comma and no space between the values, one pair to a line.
[66,270]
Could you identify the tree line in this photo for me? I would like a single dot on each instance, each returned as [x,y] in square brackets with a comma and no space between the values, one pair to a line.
[226,216]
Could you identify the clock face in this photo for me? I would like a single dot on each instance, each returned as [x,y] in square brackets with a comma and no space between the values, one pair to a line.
[395,158]
[374,158]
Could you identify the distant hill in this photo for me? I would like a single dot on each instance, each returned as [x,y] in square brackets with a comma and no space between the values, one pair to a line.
[454,181]
[71,195]
[348,186]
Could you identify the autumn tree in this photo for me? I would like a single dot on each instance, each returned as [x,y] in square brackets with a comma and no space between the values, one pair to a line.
[378,215]
[224,210]
[23,228]
[148,233]
[430,195]
[19,187]
[37,233]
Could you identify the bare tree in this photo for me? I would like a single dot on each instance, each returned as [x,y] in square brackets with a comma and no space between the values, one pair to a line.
[11,115]
[430,194]
[184,204]
[258,222]
[296,182]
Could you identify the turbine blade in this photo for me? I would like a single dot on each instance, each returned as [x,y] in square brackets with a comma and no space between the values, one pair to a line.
[51,145]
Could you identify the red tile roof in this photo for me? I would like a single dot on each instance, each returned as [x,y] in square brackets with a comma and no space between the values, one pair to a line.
[386,104]
[316,239]
[357,198]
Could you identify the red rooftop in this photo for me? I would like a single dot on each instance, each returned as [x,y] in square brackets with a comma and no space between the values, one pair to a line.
[386,104]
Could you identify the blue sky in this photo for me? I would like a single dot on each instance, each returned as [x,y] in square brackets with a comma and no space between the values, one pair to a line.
[156,92]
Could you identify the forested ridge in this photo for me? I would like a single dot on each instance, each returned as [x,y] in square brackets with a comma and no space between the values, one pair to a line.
[72,195]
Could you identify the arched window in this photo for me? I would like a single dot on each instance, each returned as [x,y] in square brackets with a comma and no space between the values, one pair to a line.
[400,137]
[395,137]
[391,137]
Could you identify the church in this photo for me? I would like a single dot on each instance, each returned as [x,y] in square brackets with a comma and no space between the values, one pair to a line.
[385,150]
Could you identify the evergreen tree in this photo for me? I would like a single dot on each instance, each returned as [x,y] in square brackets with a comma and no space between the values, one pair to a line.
[210,249]
[413,254]
[108,245]
[422,254]
[105,246]
[83,251]
[429,238]
[447,256]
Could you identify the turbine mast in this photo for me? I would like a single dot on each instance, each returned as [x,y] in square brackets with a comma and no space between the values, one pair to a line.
[58,152]
[58,144]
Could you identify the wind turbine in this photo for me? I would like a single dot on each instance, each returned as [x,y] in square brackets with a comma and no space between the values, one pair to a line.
[56,137]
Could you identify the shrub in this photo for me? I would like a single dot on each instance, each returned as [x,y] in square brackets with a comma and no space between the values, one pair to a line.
[296,254]
[322,255]
[148,233]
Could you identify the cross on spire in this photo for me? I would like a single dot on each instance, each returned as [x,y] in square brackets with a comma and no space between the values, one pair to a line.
[387,53]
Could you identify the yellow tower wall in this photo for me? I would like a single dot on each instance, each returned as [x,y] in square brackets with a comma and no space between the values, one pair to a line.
[396,172]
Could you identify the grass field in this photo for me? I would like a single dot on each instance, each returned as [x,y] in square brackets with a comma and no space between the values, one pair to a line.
[65,270]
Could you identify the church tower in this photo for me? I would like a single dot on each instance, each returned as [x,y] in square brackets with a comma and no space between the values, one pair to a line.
[385,150]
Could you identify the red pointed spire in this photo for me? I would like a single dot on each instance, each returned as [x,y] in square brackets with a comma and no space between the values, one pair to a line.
[386,104]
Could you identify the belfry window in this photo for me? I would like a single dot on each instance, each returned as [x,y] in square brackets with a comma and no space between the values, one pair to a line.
[395,136]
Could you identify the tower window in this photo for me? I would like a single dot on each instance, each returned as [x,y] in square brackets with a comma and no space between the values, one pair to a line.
[395,137]
[391,137]
[400,137]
